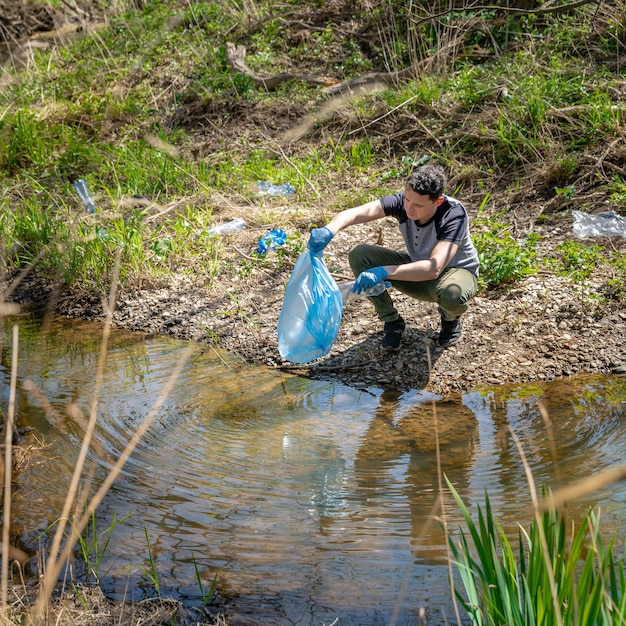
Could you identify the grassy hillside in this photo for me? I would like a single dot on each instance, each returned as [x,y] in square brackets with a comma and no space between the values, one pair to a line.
[524,106]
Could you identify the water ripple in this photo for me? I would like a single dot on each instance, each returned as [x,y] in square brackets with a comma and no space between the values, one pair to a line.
[304,496]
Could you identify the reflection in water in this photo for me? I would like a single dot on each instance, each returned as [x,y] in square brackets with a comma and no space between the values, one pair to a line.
[410,438]
[310,500]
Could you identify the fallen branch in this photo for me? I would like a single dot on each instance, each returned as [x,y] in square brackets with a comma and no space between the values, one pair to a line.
[365,81]
[545,10]
[579,108]
[235,57]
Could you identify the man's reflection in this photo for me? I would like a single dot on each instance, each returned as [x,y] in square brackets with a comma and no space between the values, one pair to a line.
[390,437]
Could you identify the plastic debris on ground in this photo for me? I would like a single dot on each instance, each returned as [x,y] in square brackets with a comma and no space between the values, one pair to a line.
[237,224]
[267,188]
[603,224]
[272,240]
[83,192]
[90,206]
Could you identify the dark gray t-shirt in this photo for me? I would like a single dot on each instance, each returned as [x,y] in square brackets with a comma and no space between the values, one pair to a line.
[450,223]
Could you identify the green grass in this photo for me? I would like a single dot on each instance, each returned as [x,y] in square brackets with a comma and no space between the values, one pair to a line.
[104,108]
[549,574]
[93,543]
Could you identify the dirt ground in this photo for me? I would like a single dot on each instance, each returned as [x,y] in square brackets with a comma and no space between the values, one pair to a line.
[539,329]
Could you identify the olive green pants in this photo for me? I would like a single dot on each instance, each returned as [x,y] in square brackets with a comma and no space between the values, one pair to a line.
[452,291]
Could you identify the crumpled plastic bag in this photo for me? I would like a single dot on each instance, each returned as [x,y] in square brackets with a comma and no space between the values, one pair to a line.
[311,313]
[271,240]
[603,224]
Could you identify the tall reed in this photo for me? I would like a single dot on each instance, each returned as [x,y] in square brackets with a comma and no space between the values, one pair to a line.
[78,497]
[554,575]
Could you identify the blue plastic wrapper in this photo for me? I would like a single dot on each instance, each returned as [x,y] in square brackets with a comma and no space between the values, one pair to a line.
[311,313]
[272,240]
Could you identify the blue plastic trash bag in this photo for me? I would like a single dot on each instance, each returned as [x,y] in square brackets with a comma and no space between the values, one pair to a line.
[311,314]
[272,240]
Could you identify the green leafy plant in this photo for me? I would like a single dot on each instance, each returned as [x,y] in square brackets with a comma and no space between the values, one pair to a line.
[618,192]
[161,247]
[568,192]
[407,165]
[557,576]
[295,244]
[503,259]
[617,284]
[577,260]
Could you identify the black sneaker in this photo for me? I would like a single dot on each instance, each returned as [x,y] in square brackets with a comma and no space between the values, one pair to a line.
[451,332]
[394,331]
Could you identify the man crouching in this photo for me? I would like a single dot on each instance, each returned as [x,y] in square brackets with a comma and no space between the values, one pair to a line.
[440,263]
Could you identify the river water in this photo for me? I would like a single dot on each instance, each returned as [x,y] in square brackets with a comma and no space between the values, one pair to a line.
[309,500]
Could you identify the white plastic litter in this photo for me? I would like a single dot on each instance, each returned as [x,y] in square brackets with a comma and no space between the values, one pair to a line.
[603,224]
[347,295]
[229,227]
[267,188]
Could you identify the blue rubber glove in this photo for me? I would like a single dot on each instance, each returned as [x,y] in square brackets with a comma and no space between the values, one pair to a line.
[319,239]
[369,278]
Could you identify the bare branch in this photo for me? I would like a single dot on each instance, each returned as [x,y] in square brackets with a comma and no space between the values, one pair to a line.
[235,57]
[561,8]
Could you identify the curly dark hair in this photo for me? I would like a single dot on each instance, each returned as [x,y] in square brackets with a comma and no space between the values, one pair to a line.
[428,180]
